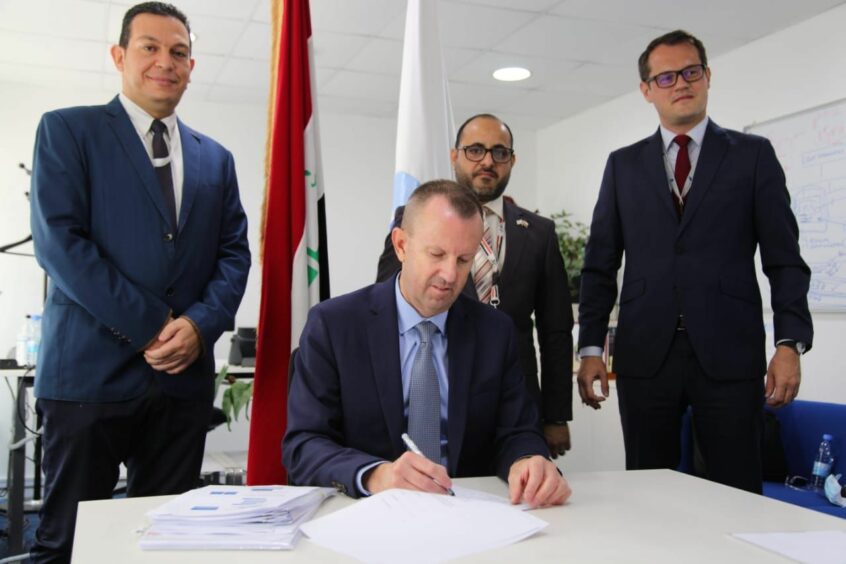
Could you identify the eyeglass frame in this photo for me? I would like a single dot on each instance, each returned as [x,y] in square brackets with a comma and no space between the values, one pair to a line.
[677,74]
[491,150]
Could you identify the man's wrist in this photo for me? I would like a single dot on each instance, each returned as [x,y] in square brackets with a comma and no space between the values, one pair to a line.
[797,346]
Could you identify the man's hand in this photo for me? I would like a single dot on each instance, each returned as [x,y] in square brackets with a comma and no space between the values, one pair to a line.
[536,481]
[411,472]
[591,369]
[557,438]
[177,346]
[784,374]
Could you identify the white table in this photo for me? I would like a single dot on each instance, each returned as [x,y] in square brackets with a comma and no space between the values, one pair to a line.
[648,516]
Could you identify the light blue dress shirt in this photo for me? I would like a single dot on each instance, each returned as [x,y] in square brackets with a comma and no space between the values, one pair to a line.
[409,340]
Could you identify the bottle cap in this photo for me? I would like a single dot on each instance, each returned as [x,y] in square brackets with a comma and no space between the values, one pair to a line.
[827,437]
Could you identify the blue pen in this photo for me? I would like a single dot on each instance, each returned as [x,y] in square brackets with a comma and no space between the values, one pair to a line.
[413,448]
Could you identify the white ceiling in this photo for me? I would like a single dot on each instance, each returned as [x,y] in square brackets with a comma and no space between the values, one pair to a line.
[581,52]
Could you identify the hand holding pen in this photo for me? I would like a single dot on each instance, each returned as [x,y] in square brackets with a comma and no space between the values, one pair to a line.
[413,448]
[411,471]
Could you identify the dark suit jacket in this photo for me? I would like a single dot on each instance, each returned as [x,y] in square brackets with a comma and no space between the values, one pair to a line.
[345,405]
[101,234]
[702,266]
[532,281]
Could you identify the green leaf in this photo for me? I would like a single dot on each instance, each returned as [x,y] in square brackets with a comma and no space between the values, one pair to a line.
[241,394]
[572,240]
[224,370]
[226,406]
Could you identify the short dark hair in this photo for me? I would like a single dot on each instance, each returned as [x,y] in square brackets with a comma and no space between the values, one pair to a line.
[673,38]
[480,116]
[155,8]
[461,199]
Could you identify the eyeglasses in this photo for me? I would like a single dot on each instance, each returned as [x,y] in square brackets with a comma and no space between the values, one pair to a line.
[476,153]
[668,79]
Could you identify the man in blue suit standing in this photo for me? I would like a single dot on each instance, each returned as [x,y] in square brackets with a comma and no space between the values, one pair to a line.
[689,206]
[414,354]
[137,220]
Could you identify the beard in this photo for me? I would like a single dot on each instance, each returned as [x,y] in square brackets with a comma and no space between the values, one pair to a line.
[484,191]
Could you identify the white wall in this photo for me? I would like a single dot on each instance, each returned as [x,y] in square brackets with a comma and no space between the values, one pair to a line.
[798,68]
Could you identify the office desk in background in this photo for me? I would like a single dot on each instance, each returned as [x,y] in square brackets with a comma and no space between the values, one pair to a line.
[650,516]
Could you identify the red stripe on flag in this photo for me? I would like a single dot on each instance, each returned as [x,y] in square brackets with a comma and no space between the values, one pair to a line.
[284,228]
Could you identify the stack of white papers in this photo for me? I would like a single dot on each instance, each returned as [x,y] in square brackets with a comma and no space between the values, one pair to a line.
[233,517]
[415,527]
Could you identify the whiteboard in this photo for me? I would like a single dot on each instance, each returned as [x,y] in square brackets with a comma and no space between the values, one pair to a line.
[811,146]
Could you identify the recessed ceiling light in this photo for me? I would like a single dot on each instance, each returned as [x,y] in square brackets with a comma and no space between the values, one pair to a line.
[512,74]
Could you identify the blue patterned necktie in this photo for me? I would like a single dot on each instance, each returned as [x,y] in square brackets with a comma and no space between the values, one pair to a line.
[424,396]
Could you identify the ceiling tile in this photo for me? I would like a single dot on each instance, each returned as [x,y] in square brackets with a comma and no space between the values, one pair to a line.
[244,73]
[236,95]
[363,17]
[556,105]
[484,98]
[52,17]
[261,12]
[579,40]
[525,5]
[242,9]
[255,43]
[596,78]
[335,50]
[754,19]
[455,58]
[378,55]
[544,71]
[37,50]
[362,85]
[49,76]
[208,67]
[347,106]
[217,36]
[490,26]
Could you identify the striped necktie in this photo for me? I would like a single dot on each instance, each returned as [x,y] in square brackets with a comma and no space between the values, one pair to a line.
[483,267]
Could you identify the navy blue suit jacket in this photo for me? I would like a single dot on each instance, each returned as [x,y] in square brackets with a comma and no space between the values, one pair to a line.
[100,228]
[345,405]
[535,293]
[702,266]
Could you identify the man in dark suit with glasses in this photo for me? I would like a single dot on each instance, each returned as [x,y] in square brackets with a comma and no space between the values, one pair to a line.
[689,206]
[518,269]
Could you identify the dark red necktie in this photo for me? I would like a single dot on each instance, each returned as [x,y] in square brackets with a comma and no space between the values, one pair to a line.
[682,169]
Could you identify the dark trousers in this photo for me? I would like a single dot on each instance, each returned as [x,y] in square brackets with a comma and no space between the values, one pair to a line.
[159,438]
[727,419]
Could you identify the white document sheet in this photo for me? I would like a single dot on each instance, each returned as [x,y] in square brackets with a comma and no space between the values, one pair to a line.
[415,527]
[811,547]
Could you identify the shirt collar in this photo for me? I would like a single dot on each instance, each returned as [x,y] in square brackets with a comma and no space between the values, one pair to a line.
[141,120]
[496,206]
[408,316]
[696,134]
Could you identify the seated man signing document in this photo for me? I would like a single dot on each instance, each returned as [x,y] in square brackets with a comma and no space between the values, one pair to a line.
[413,355]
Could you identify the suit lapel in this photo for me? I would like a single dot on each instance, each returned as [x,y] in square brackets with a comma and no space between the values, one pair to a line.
[128,138]
[191,163]
[383,346]
[714,147]
[461,347]
[515,239]
[656,172]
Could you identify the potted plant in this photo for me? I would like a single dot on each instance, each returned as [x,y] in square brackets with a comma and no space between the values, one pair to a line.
[572,239]
[235,397]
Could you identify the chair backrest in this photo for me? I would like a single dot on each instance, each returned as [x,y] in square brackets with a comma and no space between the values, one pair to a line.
[802,426]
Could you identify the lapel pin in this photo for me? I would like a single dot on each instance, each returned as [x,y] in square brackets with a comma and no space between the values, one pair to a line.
[522,223]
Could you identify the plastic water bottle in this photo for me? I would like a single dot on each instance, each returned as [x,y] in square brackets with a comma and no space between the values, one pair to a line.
[34,344]
[822,464]
[22,344]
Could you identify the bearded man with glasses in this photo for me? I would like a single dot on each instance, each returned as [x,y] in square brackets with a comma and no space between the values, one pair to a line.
[517,269]
[689,206]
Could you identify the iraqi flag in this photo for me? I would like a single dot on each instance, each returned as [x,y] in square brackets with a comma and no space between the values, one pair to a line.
[425,126]
[294,258]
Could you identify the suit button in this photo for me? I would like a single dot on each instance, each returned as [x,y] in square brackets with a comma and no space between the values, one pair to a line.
[168,237]
[679,248]
[169,292]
